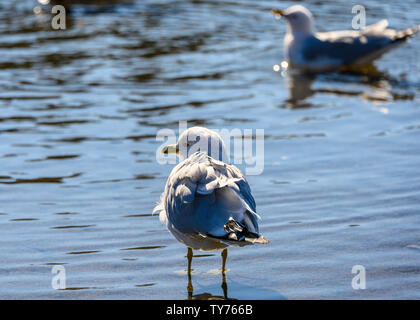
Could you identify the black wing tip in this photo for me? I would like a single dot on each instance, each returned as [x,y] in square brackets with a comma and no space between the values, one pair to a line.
[238,232]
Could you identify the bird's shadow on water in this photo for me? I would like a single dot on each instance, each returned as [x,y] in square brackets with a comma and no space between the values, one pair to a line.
[378,86]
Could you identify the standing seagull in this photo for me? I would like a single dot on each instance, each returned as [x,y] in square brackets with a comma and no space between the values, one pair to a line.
[326,51]
[207,204]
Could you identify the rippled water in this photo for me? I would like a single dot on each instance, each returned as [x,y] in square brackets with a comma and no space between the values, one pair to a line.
[80,110]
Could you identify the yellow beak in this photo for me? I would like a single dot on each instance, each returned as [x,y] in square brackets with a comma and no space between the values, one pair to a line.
[277,12]
[170,149]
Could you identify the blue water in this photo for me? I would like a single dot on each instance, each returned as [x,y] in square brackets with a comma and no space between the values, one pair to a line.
[80,110]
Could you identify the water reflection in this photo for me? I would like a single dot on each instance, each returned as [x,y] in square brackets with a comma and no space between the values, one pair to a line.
[207,295]
[300,88]
[376,85]
[89,6]
[80,111]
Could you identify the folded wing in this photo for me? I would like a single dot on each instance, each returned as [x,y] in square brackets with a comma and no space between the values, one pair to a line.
[208,197]
[350,47]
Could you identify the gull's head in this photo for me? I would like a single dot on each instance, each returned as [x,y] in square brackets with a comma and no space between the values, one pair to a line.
[299,19]
[198,139]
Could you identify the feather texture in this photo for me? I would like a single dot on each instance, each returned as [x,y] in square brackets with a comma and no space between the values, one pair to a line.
[202,196]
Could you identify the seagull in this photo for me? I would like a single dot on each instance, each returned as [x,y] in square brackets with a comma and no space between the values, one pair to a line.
[207,204]
[327,51]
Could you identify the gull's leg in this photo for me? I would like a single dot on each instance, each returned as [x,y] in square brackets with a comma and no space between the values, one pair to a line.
[189,287]
[224,256]
[224,284]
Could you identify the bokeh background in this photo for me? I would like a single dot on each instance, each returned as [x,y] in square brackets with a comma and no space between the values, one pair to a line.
[80,109]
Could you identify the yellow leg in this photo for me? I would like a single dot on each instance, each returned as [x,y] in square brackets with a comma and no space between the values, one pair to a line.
[224,256]
[189,259]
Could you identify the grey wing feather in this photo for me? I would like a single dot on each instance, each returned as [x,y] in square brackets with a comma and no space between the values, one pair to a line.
[351,46]
[202,194]
[344,50]
[245,193]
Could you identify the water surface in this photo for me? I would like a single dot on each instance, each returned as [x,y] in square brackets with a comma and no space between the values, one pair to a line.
[80,110]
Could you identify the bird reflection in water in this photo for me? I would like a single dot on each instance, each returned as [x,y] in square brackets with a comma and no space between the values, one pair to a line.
[205,295]
[378,85]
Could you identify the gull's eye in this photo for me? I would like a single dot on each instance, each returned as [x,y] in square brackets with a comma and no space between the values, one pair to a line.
[189,143]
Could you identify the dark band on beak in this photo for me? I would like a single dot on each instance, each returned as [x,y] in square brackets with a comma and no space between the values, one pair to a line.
[170,149]
[277,12]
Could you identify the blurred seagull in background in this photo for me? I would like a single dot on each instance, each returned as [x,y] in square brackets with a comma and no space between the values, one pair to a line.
[327,51]
[207,204]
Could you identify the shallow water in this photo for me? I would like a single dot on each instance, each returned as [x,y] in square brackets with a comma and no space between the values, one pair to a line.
[80,110]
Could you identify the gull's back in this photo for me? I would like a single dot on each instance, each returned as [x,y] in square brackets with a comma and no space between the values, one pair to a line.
[201,196]
[334,49]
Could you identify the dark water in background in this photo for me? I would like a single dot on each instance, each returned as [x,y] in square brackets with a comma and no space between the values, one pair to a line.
[80,110]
